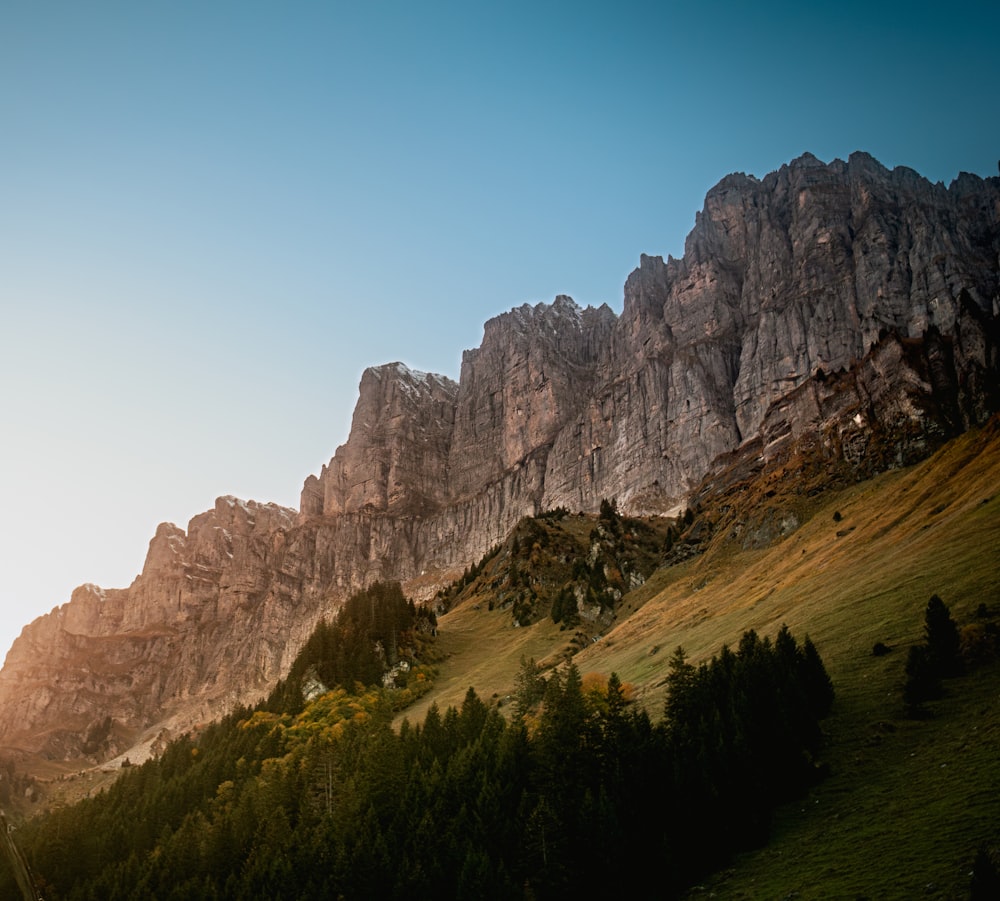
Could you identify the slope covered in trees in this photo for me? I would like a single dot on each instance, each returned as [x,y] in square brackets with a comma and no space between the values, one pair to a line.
[580,792]
[377,632]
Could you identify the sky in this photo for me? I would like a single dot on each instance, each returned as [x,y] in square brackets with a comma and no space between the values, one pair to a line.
[214,216]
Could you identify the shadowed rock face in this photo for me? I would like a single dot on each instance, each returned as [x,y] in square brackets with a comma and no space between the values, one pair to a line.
[837,300]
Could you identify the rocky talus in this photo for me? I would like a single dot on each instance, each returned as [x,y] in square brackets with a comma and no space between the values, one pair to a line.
[843,301]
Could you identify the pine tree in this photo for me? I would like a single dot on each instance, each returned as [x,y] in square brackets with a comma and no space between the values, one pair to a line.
[943,641]
[529,686]
[680,691]
[615,696]
[815,680]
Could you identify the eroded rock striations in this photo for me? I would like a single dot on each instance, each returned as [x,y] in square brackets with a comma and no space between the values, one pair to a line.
[843,300]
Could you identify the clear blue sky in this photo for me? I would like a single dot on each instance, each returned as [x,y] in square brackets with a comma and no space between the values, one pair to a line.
[213,216]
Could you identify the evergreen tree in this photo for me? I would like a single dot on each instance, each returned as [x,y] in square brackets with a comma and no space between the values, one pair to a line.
[815,680]
[615,697]
[942,636]
[681,701]
[529,687]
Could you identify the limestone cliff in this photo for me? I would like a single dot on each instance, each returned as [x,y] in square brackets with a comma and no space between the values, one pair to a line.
[839,300]
[199,626]
[799,274]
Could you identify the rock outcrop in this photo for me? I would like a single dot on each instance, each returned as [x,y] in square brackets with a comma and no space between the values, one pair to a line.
[843,300]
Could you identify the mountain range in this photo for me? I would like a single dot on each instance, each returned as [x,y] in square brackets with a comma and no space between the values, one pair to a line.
[843,315]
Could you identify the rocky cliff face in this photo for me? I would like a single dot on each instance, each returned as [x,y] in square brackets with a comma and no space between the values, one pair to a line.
[197,628]
[406,418]
[842,300]
[783,279]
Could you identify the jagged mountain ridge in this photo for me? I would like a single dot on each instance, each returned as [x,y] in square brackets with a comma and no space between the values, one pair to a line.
[784,278]
[844,301]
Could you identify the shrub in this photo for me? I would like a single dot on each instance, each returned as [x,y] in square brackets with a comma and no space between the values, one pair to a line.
[978,643]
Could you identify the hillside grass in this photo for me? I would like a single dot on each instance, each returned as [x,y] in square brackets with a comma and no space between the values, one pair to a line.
[902,814]
[848,581]
[907,801]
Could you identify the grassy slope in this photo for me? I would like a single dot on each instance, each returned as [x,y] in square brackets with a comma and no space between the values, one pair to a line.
[907,802]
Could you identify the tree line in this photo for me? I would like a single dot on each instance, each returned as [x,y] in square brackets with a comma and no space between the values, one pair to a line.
[579,791]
